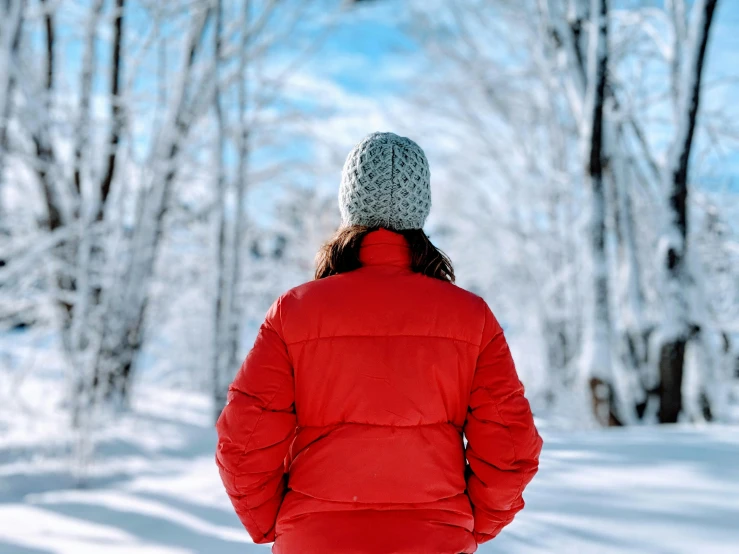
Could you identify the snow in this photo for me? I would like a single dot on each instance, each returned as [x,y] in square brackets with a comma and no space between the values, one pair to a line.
[152,486]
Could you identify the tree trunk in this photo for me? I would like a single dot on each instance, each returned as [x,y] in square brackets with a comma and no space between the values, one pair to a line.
[234,335]
[632,346]
[114,361]
[11,24]
[677,325]
[227,326]
[126,300]
[671,360]
[597,350]
[223,290]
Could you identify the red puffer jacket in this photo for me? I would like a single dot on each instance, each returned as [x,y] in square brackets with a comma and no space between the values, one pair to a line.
[343,429]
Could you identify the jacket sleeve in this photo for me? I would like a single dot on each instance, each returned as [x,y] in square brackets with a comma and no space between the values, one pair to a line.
[503,444]
[255,431]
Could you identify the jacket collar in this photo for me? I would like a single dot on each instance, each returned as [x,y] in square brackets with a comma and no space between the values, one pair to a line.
[383,247]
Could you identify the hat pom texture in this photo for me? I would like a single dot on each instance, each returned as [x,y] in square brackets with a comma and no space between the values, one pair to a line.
[385,183]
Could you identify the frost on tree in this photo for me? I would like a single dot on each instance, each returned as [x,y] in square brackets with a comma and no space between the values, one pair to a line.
[678,323]
[551,104]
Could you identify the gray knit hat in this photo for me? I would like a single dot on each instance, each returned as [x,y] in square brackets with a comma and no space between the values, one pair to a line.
[385,183]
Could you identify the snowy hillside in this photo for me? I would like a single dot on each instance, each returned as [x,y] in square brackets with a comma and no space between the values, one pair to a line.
[152,487]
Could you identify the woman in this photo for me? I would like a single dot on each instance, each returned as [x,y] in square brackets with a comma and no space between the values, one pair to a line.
[343,428]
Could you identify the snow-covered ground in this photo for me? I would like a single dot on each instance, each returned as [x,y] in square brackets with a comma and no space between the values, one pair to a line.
[152,486]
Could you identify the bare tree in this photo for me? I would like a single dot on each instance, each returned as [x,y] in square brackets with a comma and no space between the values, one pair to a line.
[677,325]
[248,99]
[228,305]
[597,363]
[11,23]
[546,90]
[127,303]
[99,269]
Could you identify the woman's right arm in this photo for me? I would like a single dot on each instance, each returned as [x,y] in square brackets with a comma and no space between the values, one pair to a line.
[503,444]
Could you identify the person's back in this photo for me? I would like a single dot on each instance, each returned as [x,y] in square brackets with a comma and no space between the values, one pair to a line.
[343,431]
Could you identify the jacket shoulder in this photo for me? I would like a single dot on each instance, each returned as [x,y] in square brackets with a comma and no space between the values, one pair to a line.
[432,289]
[370,303]
[311,289]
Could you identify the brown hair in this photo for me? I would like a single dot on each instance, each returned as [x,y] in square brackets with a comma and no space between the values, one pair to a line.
[341,253]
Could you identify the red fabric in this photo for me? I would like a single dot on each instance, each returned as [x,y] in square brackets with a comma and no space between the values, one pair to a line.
[343,428]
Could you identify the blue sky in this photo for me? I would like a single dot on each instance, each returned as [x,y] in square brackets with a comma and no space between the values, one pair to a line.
[363,47]
[369,50]
[358,68]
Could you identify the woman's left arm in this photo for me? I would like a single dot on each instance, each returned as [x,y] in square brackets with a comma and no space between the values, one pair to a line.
[256,428]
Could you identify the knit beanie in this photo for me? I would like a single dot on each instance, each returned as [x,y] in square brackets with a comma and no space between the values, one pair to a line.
[385,183]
